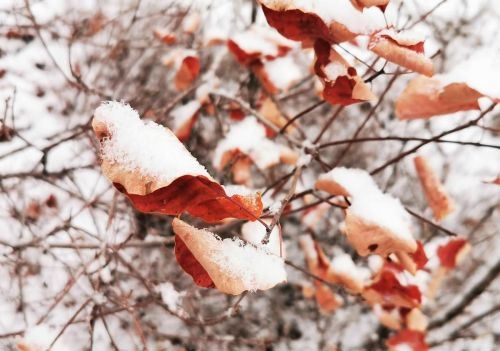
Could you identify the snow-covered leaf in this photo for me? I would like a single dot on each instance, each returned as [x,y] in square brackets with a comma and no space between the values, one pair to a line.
[232,265]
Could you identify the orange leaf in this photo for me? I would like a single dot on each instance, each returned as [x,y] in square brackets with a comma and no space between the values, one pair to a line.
[401,50]
[427,97]
[437,198]
[413,340]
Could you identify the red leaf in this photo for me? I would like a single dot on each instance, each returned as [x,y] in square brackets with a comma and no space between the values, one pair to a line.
[198,196]
[343,87]
[187,73]
[387,290]
[191,265]
[415,340]
[305,27]
[448,253]
[419,256]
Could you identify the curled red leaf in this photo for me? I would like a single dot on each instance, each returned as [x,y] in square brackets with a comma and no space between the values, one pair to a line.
[198,196]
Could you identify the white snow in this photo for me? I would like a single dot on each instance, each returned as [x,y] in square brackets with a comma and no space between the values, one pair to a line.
[344,265]
[254,232]
[40,337]
[357,182]
[384,211]
[144,146]
[283,72]
[169,295]
[480,72]
[249,137]
[261,40]
[333,70]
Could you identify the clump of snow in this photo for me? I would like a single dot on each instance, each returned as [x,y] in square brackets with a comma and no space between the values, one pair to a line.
[40,337]
[283,72]
[254,232]
[477,72]
[253,266]
[356,182]
[238,190]
[143,146]
[261,40]
[344,265]
[249,137]
[169,295]
[275,207]
[182,114]
[341,11]
[384,211]
[335,69]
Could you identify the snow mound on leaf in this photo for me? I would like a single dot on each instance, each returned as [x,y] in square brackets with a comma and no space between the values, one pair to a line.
[263,40]
[477,72]
[384,211]
[233,265]
[143,146]
[254,232]
[341,11]
[249,137]
[343,264]
[354,181]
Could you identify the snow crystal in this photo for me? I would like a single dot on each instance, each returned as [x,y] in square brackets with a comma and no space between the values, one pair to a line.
[249,136]
[144,146]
